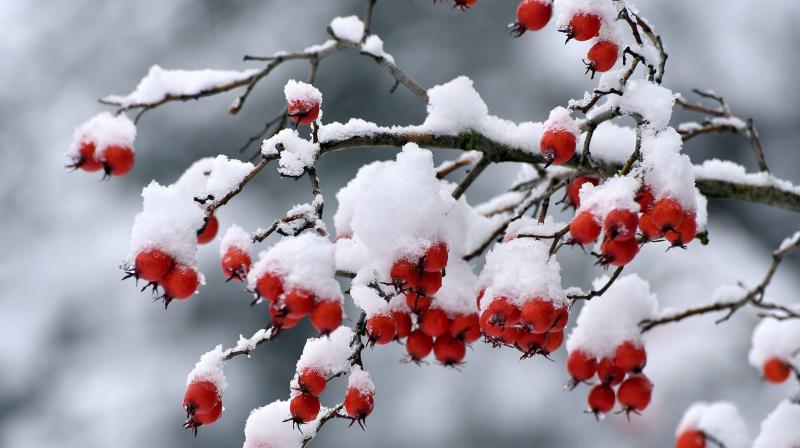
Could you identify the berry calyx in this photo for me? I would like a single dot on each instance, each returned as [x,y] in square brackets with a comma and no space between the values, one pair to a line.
[434,322]
[532,15]
[435,258]
[117,160]
[312,381]
[602,57]
[269,286]
[574,188]
[667,214]
[466,327]
[326,316]
[557,146]
[684,233]
[621,224]
[153,264]
[199,419]
[304,408]
[358,404]
[691,438]
[303,112]
[448,350]
[418,345]
[609,373]
[381,329]
[209,231]
[298,303]
[581,366]
[539,314]
[200,397]
[634,394]
[236,263]
[630,356]
[584,228]
[582,27]
[618,252]
[601,399]
[180,283]
[776,370]
[85,159]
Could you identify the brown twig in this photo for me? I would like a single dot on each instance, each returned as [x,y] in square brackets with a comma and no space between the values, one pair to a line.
[598,292]
[471,176]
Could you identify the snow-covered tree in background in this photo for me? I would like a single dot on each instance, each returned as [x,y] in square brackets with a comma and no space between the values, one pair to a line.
[410,244]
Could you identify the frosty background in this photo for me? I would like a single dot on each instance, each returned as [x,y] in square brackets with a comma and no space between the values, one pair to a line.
[87,361]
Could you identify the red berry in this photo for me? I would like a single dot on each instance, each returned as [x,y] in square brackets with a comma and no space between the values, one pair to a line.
[85,159]
[417,303]
[466,327]
[557,146]
[449,350]
[644,197]
[358,404]
[630,357]
[180,282]
[205,418]
[510,313]
[430,283]
[531,342]
[326,316]
[539,314]
[553,341]
[418,345]
[479,297]
[434,322]
[269,286]
[581,366]
[609,373]
[209,232]
[583,27]
[776,371]
[381,329]
[435,258]
[236,263]
[649,227]
[635,393]
[402,323]
[602,56]
[621,224]
[200,397]
[691,438]
[584,228]
[619,252]
[490,325]
[298,303]
[303,112]
[667,214]
[574,188]
[312,381]
[532,15]
[601,399]
[153,264]
[685,232]
[511,335]
[304,408]
[562,317]
[117,160]
[280,320]
[405,273]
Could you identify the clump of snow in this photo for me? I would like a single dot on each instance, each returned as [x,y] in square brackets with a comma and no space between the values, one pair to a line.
[302,92]
[159,84]
[359,379]
[455,106]
[530,226]
[607,321]
[521,269]
[349,28]
[780,428]
[374,45]
[668,172]
[616,193]
[368,300]
[720,420]
[349,195]
[319,48]
[249,344]
[458,291]
[236,237]
[169,221]
[209,368]
[612,143]
[226,175]
[194,179]
[103,130]
[296,153]
[306,261]
[775,339]
[266,427]
[649,100]
[561,120]
[789,242]
[700,211]
[355,127]
[728,171]
[564,10]
[329,354]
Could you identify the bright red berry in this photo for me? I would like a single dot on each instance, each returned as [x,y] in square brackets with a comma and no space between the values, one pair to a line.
[644,197]
[209,232]
[511,335]
[618,252]
[418,345]
[601,399]
[667,214]
[153,264]
[553,341]
[557,146]
[435,258]
[584,228]
[326,316]
[583,27]
[85,159]
[562,317]
[200,397]
[634,394]
[417,303]
[180,282]
[236,263]
[430,283]
[609,373]
[532,15]
[691,438]
[685,232]
[358,404]
[434,322]
[581,366]
[303,112]
[449,350]
[204,418]
[539,314]
[312,381]
[491,325]
[117,160]
[630,356]
[574,188]
[405,273]
[776,371]
[466,327]
[648,227]
[602,57]
[269,286]
[531,342]
[381,329]
[298,303]
[304,408]
[621,224]
[402,323]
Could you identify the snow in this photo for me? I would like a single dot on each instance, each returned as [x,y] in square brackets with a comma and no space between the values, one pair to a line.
[728,171]
[530,226]
[564,10]
[266,428]
[560,119]
[103,130]
[455,106]
[194,179]
[306,261]
[359,379]
[349,28]
[721,420]
[612,143]
[701,210]
[209,368]
[793,240]
[775,339]
[226,176]
[159,84]
[780,428]
[236,237]
[319,48]
[605,322]
[368,300]
[668,172]
[458,291]
[328,354]
[649,100]
[302,92]
[616,193]
[521,269]
[169,221]
[296,153]
[374,45]
[249,344]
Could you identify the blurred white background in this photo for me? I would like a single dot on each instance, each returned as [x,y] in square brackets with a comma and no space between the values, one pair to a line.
[88,361]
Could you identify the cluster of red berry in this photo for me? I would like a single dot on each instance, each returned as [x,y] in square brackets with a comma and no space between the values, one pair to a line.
[203,404]
[288,306]
[535,328]
[159,268]
[666,218]
[304,407]
[115,160]
[629,359]
[236,263]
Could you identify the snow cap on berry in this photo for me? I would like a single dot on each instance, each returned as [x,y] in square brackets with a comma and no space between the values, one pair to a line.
[303,92]
[669,173]
[560,119]
[209,368]
[616,193]
[266,427]
[104,130]
[235,237]
[775,339]
[360,380]
[458,291]
[329,354]
[721,420]
[226,176]
[368,300]
[564,10]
